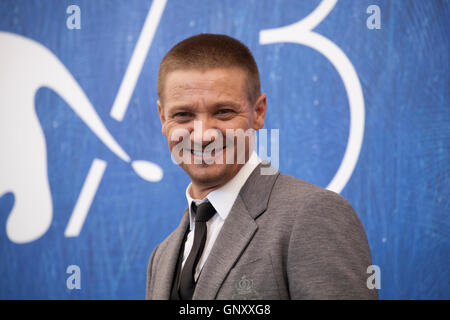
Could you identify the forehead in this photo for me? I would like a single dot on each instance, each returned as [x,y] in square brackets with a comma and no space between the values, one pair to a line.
[210,84]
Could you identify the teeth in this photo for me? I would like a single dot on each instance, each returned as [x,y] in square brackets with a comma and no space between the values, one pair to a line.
[197,153]
[201,154]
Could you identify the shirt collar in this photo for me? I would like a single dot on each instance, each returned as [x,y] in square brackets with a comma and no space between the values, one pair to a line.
[224,197]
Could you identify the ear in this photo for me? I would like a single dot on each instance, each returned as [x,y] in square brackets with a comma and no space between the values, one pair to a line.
[162,118]
[259,112]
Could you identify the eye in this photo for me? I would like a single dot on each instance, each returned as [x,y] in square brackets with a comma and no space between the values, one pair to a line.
[225,112]
[182,115]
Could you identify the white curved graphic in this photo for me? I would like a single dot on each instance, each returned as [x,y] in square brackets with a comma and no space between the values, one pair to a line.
[27,66]
[301,33]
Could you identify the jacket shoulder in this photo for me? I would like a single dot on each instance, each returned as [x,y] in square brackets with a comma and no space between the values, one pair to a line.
[293,199]
[294,191]
[327,249]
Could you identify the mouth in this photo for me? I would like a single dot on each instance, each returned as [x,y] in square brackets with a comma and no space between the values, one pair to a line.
[204,156]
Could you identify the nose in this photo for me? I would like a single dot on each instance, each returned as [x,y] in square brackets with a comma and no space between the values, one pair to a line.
[204,132]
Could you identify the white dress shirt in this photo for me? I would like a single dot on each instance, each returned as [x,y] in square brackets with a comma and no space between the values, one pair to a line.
[222,200]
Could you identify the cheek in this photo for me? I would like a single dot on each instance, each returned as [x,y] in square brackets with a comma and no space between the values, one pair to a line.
[176,134]
[244,122]
[165,128]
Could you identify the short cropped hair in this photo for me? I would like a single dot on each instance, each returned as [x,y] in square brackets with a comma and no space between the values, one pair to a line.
[209,51]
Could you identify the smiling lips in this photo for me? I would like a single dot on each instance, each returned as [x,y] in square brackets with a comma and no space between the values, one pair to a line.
[206,154]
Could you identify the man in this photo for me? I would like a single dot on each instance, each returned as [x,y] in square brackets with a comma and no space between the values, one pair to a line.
[245,234]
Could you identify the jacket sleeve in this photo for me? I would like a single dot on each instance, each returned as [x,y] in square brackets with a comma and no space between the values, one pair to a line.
[328,252]
[150,270]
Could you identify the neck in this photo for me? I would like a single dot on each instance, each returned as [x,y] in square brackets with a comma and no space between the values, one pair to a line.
[200,192]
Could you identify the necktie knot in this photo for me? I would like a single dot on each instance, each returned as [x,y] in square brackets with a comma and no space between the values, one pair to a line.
[203,212]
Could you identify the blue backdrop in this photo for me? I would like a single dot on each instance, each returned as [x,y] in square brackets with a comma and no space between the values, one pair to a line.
[399,186]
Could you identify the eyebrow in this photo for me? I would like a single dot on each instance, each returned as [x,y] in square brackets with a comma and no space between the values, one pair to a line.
[215,106]
[182,108]
[225,104]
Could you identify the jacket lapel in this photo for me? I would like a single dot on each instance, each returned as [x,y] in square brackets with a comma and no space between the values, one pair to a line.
[237,231]
[168,261]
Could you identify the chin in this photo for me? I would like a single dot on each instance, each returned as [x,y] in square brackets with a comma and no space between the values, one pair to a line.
[208,174]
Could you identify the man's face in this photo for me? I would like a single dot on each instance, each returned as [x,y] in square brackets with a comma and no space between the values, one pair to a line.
[218,100]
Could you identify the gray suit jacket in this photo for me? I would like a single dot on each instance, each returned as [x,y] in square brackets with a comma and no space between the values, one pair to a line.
[283,239]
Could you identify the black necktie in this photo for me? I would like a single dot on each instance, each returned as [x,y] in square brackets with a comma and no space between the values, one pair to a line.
[187,283]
